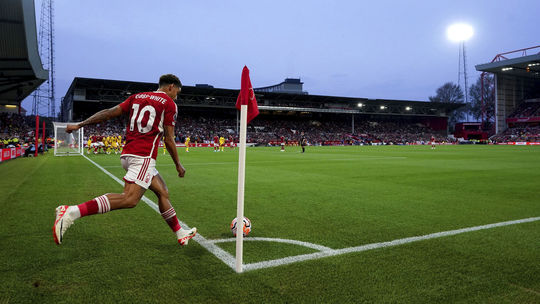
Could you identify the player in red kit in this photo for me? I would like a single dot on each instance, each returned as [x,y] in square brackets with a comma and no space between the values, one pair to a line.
[282,143]
[151,114]
[432,142]
[231,141]
[216,143]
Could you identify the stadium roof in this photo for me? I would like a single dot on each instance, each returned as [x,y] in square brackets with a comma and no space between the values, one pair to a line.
[114,91]
[21,71]
[524,66]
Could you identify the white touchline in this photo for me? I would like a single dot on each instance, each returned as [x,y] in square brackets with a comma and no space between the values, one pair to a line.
[229,260]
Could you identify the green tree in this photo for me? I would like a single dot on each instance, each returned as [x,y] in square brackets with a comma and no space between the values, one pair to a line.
[452,93]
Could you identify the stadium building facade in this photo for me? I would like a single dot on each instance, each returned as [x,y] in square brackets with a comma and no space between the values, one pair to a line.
[517,87]
[286,100]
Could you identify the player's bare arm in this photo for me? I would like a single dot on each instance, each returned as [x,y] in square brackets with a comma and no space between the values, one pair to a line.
[100,116]
[171,148]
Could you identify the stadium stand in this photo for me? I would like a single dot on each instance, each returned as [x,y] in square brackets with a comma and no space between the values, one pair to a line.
[526,109]
[202,128]
[517,89]
[518,134]
[205,111]
[523,124]
[21,72]
[15,130]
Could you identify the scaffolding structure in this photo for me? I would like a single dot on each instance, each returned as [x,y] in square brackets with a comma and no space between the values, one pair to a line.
[44,99]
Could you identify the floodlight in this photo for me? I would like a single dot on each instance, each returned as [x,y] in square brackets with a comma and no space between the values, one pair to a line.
[408,108]
[459,32]
[383,107]
[360,104]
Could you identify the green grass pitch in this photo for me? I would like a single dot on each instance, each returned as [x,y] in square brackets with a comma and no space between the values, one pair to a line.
[336,197]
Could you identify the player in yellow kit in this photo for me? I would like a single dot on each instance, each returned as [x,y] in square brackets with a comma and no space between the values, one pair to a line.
[107,142]
[187,143]
[221,143]
[164,148]
[114,144]
[120,145]
[89,144]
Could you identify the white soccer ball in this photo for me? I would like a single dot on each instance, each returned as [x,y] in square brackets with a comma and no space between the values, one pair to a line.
[247,226]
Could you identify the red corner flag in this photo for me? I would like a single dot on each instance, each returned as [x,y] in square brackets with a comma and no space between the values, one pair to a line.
[247,96]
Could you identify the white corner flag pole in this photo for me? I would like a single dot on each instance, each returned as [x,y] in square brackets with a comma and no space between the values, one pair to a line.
[241,179]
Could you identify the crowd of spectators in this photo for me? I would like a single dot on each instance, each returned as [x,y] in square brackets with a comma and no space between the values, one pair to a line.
[526,109]
[518,134]
[16,130]
[262,131]
[113,127]
[317,132]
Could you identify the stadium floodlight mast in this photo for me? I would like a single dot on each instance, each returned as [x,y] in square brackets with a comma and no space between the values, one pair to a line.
[461,32]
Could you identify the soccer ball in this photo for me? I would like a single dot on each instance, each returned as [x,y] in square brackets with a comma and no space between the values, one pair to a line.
[247,226]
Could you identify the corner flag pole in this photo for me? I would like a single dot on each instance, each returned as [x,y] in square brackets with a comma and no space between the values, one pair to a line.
[247,104]
[241,180]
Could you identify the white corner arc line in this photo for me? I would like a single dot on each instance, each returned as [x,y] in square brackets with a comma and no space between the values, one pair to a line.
[322,254]
[276,240]
[221,254]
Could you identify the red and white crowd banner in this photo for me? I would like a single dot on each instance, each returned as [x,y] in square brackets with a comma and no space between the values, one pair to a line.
[10,153]
[520,143]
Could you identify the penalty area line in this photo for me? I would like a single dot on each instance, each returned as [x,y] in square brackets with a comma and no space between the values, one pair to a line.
[221,254]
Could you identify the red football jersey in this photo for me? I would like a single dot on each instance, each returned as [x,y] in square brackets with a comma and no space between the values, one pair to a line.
[148,113]
[216,139]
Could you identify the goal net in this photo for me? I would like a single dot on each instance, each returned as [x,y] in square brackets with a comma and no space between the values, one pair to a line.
[67,143]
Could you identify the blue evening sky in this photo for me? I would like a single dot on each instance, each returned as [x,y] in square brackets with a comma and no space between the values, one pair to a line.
[375,49]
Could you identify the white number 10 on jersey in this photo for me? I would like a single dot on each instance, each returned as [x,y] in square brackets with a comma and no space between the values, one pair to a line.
[139,119]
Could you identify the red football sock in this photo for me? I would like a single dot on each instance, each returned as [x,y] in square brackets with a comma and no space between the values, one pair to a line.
[88,208]
[170,217]
[99,204]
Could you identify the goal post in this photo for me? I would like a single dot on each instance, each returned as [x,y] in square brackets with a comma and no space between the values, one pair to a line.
[66,144]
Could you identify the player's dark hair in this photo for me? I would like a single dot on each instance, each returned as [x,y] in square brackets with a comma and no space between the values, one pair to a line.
[169,79]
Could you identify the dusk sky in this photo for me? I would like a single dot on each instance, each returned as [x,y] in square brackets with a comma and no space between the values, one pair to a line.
[374,49]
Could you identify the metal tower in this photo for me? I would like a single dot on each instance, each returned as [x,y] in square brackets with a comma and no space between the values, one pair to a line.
[465,78]
[463,57]
[44,104]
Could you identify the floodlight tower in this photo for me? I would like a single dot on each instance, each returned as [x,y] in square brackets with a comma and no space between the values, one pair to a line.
[44,104]
[461,32]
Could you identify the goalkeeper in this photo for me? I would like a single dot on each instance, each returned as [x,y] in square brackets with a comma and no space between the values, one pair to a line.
[156,112]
